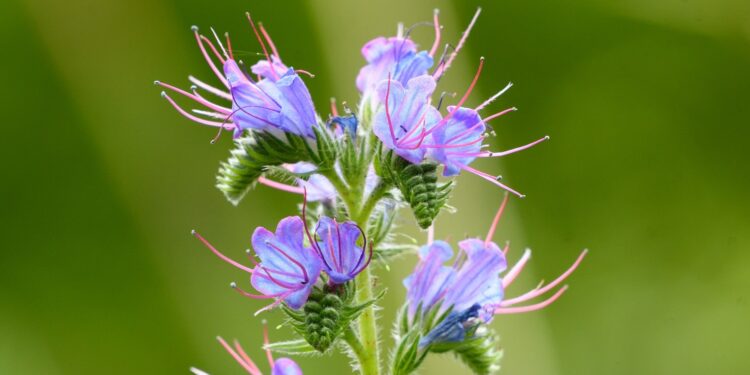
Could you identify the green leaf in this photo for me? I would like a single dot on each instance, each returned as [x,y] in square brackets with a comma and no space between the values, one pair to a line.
[293,347]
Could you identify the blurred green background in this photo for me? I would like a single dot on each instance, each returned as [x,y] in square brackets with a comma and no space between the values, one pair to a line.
[647,103]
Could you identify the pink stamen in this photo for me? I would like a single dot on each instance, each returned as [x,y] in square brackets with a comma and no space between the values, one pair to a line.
[461,42]
[538,292]
[208,58]
[229,46]
[244,355]
[253,370]
[338,234]
[516,269]
[491,99]
[496,115]
[213,48]
[266,342]
[270,42]
[513,150]
[220,255]
[210,104]
[465,132]
[283,284]
[280,186]
[458,145]
[192,117]
[538,306]
[461,102]
[275,303]
[436,21]
[262,45]
[334,110]
[499,213]
[330,251]
[506,248]
[423,126]
[209,88]
[255,296]
[490,179]
[196,97]
[431,234]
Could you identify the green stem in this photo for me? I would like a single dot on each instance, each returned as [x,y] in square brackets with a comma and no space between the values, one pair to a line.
[370,359]
[366,347]
[353,341]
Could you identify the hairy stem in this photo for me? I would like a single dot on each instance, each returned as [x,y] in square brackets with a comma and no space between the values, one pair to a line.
[368,352]
[350,337]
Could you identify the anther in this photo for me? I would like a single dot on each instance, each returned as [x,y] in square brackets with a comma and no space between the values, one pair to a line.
[194,28]
[157,83]
[233,285]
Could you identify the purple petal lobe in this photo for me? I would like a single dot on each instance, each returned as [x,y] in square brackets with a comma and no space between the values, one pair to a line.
[395,56]
[409,112]
[338,245]
[285,366]
[457,142]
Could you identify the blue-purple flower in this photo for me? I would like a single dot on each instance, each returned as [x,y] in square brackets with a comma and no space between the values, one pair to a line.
[288,270]
[396,58]
[281,366]
[277,101]
[405,115]
[459,142]
[472,289]
[337,245]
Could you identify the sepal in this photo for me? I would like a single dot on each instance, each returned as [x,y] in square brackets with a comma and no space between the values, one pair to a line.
[329,310]
[255,152]
[418,184]
[291,347]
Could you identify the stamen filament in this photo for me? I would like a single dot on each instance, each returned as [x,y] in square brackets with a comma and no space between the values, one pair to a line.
[436,21]
[220,255]
[491,99]
[536,293]
[516,269]
[490,179]
[208,58]
[268,39]
[209,88]
[253,370]
[538,306]
[460,44]
[499,213]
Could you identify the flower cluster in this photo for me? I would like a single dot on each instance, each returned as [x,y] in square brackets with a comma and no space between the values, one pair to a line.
[288,270]
[355,170]
[472,290]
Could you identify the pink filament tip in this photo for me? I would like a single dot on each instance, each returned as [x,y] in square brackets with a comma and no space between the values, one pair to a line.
[220,255]
[499,213]
[436,22]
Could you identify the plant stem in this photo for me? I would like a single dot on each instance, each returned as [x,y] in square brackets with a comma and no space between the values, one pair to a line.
[370,358]
[366,346]
[353,341]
